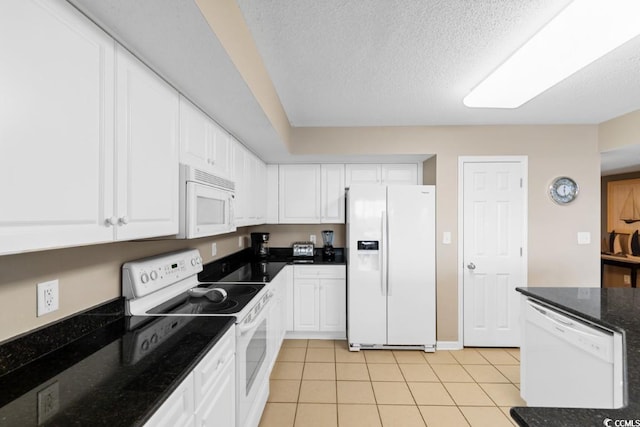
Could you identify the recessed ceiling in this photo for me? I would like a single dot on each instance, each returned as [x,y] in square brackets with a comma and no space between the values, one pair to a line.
[407,62]
[364,63]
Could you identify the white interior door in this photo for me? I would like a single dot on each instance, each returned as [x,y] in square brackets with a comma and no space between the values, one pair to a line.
[494,255]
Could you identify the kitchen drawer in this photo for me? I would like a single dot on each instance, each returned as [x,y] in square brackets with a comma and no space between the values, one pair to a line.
[211,367]
[319,271]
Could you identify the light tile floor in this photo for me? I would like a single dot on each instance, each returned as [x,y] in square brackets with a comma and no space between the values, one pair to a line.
[320,383]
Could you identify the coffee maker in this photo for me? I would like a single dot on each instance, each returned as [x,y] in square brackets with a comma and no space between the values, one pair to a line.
[260,245]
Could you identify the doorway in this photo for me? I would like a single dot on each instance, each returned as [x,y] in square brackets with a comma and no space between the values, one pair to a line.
[492,223]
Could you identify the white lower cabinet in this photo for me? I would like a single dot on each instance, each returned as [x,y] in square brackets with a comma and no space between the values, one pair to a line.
[178,409]
[319,299]
[207,397]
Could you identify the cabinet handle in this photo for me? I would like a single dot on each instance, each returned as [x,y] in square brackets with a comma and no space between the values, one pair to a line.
[123,220]
[110,221]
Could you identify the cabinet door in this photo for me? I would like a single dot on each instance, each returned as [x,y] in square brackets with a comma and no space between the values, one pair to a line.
[240,208]
[194,136]
[299,190]
[332,194]
[177,410]
[333,304]
[305,301]
[147,116]
[272,195]
[261,187]
[289,298]
[220,151]
[400,174]
[362,174]
[219,409]
[56,127]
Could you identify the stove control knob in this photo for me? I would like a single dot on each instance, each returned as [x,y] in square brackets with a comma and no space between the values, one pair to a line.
[144,277]
[194,261]
[154,338]
[153,275]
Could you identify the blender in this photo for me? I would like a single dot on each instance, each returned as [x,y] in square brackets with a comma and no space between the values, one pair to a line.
[328,253]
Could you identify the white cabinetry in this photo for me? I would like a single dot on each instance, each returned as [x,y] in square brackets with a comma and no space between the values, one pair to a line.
[387,174]
[250,175]
[332,200]
[299,191]
[207,396]
[272,194]
[177,410]
[319,302]
[203,143]
[147,116]
[104,127]
[56,127]
[311,194]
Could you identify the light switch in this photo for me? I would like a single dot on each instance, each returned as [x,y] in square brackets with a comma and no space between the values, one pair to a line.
[584,237]
[446,238]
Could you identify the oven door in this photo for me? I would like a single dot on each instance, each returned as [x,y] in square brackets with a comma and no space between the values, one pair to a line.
[209,211]
[253,351]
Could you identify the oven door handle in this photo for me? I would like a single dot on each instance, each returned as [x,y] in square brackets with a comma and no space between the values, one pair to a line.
[244,328]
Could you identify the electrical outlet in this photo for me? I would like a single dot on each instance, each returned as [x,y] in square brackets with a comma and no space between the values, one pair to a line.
[48,402]
[312,238]
[48,297]
[240,241]
[627,279]
[214,249]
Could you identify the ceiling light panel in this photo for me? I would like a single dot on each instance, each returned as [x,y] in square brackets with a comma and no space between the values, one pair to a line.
[581,33]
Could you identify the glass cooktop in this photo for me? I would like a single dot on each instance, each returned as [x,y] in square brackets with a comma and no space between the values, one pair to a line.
[238,296]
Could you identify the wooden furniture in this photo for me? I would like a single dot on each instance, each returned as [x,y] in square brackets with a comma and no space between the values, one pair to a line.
[617,261]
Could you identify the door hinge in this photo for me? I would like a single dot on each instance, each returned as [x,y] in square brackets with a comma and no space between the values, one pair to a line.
[520,182]
[520,251]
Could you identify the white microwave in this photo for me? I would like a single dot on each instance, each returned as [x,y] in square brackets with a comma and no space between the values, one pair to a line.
[206,204]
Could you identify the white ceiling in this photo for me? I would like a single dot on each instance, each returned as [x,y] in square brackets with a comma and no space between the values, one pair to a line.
[364,62]
[408,62]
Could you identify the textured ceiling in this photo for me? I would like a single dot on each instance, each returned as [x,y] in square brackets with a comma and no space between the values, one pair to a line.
[409,62]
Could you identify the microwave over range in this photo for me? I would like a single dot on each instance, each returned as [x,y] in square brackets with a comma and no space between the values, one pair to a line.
[206,204]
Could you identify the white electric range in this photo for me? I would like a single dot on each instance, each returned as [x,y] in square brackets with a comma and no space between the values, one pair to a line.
[167,285]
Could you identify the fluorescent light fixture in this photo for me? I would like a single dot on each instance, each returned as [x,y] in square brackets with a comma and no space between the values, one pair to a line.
[583,32]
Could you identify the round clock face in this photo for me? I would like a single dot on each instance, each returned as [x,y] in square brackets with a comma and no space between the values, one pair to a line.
[563,190]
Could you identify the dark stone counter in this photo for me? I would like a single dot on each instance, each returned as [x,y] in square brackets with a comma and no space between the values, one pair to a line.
[89,370]
[617,309]
[242,266]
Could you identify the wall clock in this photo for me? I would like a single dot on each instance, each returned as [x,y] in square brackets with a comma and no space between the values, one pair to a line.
[563,190]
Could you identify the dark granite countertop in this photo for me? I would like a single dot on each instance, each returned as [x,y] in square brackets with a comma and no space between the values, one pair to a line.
[242,266]
[614,308]
[89,369]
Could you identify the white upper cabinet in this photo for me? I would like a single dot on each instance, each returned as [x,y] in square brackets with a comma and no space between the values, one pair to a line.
[399,174]
[387,174]
[362,174]
[250,175]
[204,144]
[299,192]
[332,193]
[147,118]
[56,127]
[272,194]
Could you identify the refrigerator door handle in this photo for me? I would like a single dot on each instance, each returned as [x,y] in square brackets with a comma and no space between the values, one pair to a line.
[385,256]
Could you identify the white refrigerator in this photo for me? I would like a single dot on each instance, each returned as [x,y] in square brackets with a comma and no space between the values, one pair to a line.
[391,267]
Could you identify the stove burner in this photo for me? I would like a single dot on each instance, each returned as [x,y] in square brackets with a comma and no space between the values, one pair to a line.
[219,306]
[244,290]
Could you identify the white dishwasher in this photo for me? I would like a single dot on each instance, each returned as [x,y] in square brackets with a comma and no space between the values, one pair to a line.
[567,362]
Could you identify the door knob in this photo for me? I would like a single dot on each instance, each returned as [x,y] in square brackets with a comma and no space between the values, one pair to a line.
[471,266]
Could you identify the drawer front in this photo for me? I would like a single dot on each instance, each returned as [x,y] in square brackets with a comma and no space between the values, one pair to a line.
[211,367]
[319,271]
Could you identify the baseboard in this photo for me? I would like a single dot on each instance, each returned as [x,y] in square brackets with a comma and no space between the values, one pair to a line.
[449,345]
[304,335]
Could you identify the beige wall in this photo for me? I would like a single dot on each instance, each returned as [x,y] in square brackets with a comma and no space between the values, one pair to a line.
[283,235]
[226,21]
[88,276]
[555,258]
[619,132]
